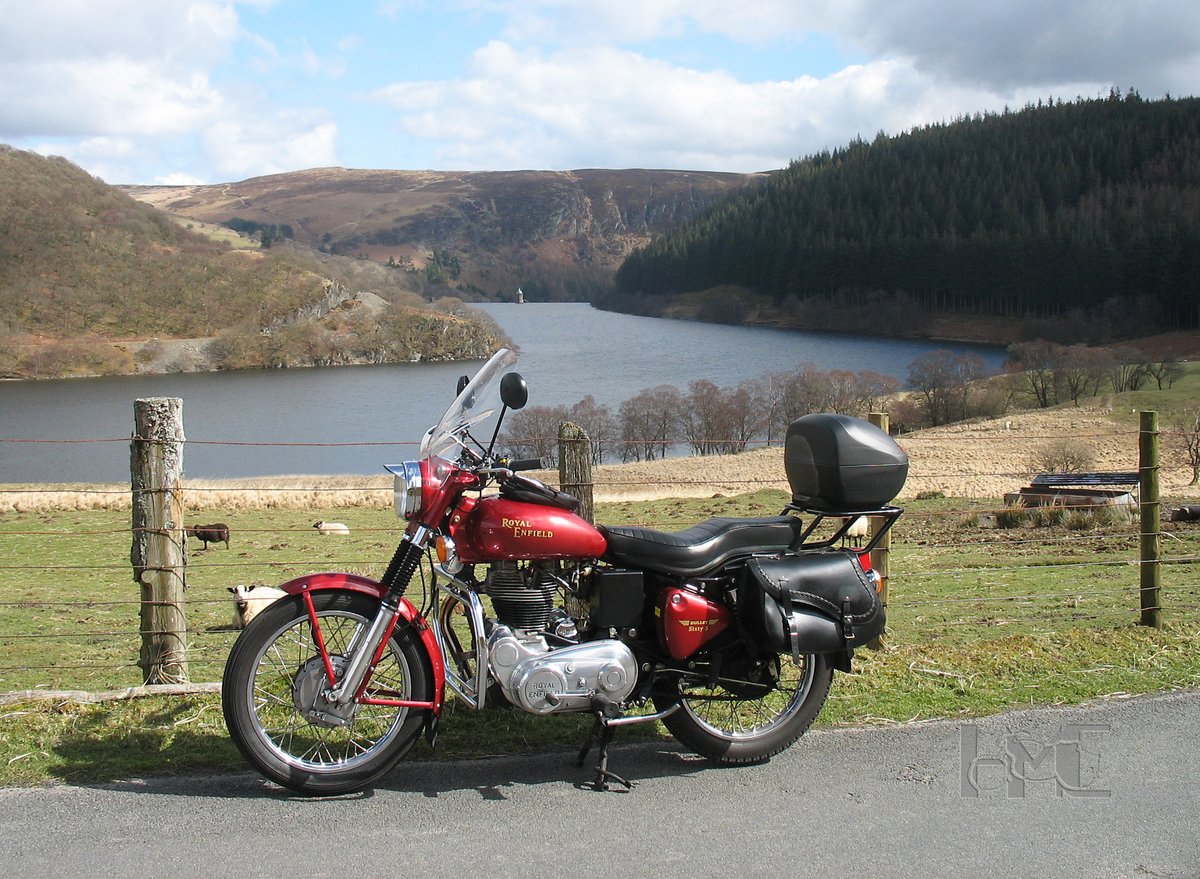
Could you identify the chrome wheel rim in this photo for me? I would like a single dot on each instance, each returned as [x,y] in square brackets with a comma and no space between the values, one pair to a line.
[731,718]
[282,684]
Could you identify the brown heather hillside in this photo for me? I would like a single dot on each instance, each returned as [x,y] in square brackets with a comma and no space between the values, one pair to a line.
[557,235]
[93,281]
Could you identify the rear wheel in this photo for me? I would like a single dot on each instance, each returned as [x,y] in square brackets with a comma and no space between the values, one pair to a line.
[275,710]
[753,717]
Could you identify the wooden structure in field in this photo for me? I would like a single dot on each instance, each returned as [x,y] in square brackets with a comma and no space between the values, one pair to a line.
[1095,489]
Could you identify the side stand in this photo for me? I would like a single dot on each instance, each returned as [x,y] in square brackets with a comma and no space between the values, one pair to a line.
[601,734]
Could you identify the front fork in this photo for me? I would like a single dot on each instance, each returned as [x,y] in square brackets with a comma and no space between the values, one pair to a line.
[370,647]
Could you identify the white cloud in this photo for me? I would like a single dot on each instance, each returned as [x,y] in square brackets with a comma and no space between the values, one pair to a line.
[1010,44]
[239,148]
[111,67]
[111,96]
[608,107]
[142,89]
[120,71]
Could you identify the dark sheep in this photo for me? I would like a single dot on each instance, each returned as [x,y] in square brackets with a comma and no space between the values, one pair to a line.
[215,533]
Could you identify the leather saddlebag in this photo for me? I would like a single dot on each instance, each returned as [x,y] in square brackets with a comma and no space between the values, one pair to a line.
[819,602]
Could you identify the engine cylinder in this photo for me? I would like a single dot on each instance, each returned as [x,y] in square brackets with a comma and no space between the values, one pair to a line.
[522,599]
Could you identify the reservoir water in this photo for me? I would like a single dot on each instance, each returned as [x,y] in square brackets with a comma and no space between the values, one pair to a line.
[353,419]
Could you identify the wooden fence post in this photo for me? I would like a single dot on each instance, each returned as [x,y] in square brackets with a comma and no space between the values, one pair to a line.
[159,553]
[1151,521]
[575,478]
[575,467]
[881,554]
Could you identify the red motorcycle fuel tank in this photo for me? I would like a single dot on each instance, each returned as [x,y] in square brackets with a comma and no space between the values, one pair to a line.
[494,529]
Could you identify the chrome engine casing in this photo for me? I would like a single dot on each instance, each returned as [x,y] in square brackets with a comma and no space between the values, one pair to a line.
[543,680]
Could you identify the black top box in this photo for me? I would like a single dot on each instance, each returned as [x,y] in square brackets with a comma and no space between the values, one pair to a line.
[836,463]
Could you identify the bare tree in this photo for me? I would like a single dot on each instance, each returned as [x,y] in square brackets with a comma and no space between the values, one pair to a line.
[700,417]
[1186,441]
[843,392]
[648,423]
[794,393]
[1039,362]
[872,388]
[1166,371]
[533,432]
[599,423]
[746,414]
[1082,370]
[1128,369]
[942,381]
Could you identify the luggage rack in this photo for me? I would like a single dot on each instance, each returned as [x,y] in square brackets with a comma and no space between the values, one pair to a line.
[889,514]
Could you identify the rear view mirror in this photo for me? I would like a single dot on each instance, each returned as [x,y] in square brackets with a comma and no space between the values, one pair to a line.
[514,393]
[463,381]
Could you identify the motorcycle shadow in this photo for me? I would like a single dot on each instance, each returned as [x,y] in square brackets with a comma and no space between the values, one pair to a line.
[491,778]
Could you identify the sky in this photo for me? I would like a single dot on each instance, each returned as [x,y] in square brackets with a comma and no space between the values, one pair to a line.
[212,91]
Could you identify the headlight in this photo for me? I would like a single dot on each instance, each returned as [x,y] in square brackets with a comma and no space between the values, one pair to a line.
[406,490]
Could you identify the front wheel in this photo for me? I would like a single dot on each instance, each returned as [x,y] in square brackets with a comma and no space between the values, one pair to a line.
[741,721]
[272,696]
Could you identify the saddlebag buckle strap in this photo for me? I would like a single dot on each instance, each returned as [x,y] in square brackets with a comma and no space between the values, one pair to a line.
[793,624]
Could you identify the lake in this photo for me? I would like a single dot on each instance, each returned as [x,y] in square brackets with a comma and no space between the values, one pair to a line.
[354,419]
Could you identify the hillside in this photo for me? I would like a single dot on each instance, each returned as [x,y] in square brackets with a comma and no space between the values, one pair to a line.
[1081,220]
[88,274]
[556,235]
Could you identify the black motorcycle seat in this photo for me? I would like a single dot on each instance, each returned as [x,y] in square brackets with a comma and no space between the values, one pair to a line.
[700,548]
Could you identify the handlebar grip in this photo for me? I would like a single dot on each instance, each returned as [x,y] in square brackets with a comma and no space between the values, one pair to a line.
[528,464]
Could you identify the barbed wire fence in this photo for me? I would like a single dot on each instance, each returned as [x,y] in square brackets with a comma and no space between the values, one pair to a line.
[70,614]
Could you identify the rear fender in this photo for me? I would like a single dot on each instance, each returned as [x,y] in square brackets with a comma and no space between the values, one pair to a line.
[337,581]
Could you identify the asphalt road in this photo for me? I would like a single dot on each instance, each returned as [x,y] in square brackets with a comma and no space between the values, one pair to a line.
[1106,790]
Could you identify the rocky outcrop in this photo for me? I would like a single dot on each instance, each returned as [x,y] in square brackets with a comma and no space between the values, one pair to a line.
[546,231]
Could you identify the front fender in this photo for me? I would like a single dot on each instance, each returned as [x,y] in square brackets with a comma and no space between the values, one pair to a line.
[336,580]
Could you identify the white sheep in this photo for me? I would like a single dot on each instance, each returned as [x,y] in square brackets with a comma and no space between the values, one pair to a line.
[859,529]
[331,527]
[247,606]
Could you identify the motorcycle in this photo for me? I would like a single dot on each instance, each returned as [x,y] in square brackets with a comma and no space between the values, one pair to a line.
[727,632]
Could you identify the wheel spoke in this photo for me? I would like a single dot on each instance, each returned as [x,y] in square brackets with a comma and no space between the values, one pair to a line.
[289,674]
[729,715]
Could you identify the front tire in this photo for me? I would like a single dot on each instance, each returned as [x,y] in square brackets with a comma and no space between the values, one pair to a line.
[269,693]
[735,724]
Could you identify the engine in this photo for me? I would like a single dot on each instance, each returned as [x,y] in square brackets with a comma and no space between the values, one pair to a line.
[522,597]
[533,675]
[544,680]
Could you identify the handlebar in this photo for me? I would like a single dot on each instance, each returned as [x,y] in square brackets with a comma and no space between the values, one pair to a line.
[527,464]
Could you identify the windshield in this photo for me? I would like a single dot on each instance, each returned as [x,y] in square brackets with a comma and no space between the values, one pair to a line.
[478,400]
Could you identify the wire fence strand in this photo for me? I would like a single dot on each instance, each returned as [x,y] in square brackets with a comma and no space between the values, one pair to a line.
[70,611]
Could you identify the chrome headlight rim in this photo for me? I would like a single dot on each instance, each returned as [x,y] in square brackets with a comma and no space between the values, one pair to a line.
[406,490]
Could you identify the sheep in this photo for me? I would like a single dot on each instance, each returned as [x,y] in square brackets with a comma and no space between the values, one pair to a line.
[859,528]
[248,605]
[218,532]
[331,527]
